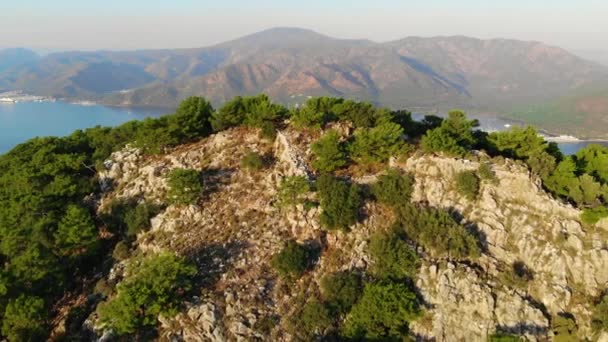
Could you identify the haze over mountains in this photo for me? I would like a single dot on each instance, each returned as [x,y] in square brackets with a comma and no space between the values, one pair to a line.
[290,63]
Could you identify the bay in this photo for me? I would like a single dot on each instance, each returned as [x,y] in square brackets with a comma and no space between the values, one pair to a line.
[25,120]
[570,148]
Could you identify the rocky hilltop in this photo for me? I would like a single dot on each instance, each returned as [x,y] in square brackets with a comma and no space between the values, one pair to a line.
[237,227]
[335,221]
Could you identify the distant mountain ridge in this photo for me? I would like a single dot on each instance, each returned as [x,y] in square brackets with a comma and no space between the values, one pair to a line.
[290,64]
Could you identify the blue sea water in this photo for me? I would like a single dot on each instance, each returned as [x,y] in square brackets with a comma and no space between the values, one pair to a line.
[25,120]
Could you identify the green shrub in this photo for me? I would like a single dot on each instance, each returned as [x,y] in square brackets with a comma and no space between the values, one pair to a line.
[154,286]
[467,184]
[341,291]
[24,319]
[340,202]
[486,173]
[438,232]
[138,219]
[454,136]
[330,153]
[599,320]
[192,119]
[268,131]
[564,328]
[393,188]
[383,312]
[361,114]
[308,118]
[252,111]
[503,337]
[315,318]
[292,190]
[436,140]
[594,159]
[121,251]
[292,261]
[594,215]
[252,161]
[76,233]
[184,186]
[377,144]
[392,257]
[526,144]
[103,288]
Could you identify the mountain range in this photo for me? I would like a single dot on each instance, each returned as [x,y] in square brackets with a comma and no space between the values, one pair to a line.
[291,64]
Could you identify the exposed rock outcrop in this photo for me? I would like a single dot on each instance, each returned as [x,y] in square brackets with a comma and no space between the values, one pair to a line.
[235,229]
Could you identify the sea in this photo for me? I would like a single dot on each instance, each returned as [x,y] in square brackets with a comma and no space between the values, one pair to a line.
[25,120]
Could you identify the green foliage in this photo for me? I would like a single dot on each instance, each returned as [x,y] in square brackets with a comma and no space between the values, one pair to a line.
[377,144]
[252,161]
[252,111]
[454,136]
[392,257]
[138,219]
[184,186]
[467,184]
[518,143]
[599,320]
[438,232]
[436,140]
[361,114]
[305,118]
[292,190]
[340,202]
[527,145]
[393,188]
[24,319]
[330,152]
[192,119]
[564,328]
[593,160]
[153,286]
[341,291]
[486,173]
[292,261]
[594,215]
[584,190]
[503,337]
[268,131]
[121,251]
[315,318]
[153,136]
[76,233]
[383,312]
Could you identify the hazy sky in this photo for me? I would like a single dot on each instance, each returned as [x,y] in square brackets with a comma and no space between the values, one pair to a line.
[131,24]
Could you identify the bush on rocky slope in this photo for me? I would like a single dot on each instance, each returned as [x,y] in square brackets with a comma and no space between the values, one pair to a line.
[184,186]
[340,202]
[155,285]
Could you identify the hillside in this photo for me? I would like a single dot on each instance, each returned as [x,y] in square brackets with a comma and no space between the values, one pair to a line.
[290,64]
[582,114]
[335,221]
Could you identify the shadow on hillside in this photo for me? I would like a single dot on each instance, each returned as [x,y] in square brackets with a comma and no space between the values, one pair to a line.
[523,328]
[214,259]
[472,228]
[214,179]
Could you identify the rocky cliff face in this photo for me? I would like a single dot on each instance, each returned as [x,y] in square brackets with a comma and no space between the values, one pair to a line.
[236,228]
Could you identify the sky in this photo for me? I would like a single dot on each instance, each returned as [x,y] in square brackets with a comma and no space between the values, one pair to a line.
[53,25]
